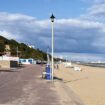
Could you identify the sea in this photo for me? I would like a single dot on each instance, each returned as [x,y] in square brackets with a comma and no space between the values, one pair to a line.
[95,60]
[83,57]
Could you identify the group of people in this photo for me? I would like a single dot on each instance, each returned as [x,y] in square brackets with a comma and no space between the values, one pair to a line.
[56,66]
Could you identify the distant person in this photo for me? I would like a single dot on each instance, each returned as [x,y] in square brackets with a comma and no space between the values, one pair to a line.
[57,66]
[54,66]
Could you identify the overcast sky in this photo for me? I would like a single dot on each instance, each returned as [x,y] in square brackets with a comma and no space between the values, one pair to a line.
[79,26]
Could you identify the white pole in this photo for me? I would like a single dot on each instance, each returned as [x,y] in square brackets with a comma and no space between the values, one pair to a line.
[17,51]
[52,50]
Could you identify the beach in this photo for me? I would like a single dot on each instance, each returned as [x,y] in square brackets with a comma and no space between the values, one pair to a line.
[88,84]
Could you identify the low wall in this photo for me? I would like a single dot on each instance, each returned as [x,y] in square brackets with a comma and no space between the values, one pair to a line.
[4,64]
[8,64]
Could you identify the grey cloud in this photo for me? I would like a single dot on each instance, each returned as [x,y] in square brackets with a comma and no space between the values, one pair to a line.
[70,35]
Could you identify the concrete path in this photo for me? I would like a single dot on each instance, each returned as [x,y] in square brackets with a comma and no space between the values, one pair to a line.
[25,86]
[67,96]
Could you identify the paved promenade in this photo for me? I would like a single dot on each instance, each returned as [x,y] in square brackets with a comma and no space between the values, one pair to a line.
[25,86]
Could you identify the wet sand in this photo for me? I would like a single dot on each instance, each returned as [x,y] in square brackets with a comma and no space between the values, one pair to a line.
[88,84]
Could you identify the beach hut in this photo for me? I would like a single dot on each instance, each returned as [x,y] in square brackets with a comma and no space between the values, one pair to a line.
[27,61]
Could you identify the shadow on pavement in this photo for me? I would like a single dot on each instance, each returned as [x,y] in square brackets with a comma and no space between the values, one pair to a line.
[57,78]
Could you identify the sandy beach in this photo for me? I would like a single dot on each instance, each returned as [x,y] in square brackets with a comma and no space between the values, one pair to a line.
[88,84]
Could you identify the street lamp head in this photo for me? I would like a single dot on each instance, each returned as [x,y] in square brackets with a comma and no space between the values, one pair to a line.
[52,18]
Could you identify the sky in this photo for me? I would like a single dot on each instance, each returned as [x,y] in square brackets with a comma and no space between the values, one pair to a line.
[79,26]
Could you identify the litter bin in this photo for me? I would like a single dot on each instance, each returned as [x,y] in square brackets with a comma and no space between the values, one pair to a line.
[48,72]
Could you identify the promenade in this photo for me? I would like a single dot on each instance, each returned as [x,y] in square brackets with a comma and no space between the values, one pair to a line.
[25,86]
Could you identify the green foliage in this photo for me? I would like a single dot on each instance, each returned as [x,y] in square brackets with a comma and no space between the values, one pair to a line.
[2,47]
[24,51]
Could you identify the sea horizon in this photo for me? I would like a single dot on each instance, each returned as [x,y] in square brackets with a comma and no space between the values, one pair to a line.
[83,57]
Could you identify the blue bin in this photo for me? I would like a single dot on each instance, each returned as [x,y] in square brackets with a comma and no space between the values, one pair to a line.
[48,72]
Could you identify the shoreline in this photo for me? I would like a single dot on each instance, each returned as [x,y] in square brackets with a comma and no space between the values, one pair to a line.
[92,64]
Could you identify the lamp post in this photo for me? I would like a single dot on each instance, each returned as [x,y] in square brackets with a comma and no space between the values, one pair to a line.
[52,21]
[17,51]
